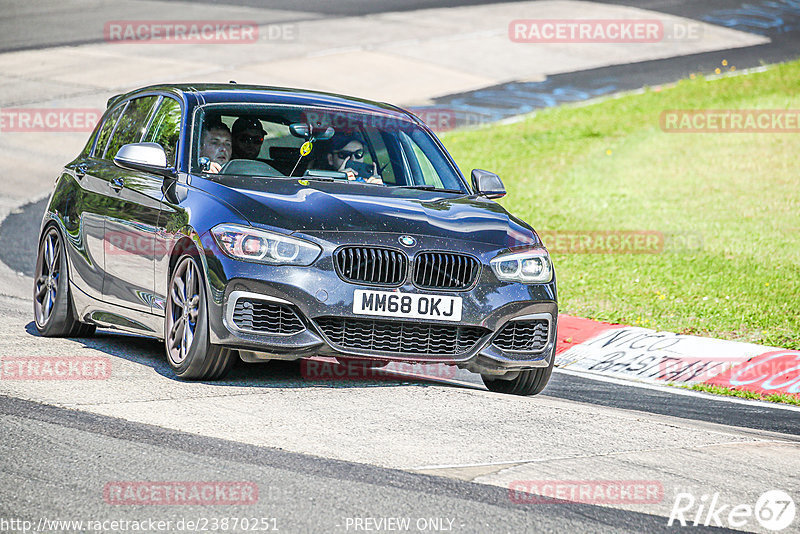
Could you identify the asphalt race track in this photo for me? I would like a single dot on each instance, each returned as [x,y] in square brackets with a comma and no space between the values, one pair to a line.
[303,493]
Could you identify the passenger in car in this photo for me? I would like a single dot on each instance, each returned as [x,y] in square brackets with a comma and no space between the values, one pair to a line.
[216,145]
[248,135]
[346,149]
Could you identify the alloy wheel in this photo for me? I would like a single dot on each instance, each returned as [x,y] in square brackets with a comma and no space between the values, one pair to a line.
[47,277]
[183,310]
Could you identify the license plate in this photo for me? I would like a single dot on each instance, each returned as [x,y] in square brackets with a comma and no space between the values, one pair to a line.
[407,305]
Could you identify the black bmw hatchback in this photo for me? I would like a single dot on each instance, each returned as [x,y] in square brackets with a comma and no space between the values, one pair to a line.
[261,223]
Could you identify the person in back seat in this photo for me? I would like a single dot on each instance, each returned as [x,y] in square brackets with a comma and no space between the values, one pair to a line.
[248,136]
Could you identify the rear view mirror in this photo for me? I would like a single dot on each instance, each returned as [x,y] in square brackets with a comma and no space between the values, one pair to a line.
[147,157]
[324,135]
[487,184]
[301,130]
[311,133]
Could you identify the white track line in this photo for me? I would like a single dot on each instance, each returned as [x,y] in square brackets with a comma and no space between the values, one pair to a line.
[614,453]
[679,391]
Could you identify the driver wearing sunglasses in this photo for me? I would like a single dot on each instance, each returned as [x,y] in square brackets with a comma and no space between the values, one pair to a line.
[347,150]
[248,135]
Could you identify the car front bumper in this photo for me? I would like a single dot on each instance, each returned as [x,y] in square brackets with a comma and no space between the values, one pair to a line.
[317,291]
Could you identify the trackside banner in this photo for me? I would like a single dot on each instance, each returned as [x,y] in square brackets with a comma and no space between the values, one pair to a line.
[657,357]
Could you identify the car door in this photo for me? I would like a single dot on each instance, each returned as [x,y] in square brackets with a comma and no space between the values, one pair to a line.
[131,218]
[84,217]
[164,129]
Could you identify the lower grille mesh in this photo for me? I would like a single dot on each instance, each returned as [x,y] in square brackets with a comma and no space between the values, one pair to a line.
[396,337]
[523,336]
[266,317]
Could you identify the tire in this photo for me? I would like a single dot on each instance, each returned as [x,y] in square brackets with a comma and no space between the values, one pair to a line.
[53,312]
[189,352]
[529,382]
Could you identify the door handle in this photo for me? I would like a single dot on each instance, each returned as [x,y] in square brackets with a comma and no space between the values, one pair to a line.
[80,170]
[117,184]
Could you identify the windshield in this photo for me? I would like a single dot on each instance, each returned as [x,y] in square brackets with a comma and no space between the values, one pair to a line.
[325,144]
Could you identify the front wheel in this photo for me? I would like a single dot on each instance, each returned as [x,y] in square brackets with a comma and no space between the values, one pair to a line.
[529,382]
[189,352]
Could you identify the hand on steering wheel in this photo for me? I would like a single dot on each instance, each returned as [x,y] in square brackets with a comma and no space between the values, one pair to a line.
[351,174]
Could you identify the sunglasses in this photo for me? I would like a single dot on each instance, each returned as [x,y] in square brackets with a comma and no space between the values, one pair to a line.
[251,139]
[344,154]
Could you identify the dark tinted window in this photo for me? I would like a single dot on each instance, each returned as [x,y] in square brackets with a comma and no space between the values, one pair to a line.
[165,128]
[108,129]
[131,125]
[395,148]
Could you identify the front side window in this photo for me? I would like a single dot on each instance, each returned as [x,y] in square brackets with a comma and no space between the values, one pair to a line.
[131,125]
[165,128]
[107,130]
[271,141]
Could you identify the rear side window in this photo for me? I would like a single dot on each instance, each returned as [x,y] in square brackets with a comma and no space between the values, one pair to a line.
[131,125]
[107,130]
[165,128]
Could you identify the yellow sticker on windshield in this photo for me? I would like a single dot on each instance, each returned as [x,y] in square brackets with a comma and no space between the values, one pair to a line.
[305,150]
[302,182]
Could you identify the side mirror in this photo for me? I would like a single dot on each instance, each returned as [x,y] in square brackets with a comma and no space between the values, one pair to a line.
[487,184]
[147,157]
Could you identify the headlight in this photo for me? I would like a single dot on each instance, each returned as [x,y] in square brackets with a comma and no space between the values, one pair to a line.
[529,267]
[261,246]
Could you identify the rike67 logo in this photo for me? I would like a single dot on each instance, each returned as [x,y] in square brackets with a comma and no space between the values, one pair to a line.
[774,510]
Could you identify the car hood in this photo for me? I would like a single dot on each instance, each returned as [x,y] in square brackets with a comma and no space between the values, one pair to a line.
[306,206]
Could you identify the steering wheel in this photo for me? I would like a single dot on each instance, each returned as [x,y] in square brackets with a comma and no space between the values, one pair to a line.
[248,167]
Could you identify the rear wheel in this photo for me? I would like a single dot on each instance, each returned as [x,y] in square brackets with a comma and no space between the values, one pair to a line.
[529,382]
[52,305]
[189,352]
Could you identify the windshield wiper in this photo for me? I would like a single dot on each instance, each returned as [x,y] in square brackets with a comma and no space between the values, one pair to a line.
[427,187]
[236,175]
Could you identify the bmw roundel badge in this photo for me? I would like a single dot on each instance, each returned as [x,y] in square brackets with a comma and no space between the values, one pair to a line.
[407,241]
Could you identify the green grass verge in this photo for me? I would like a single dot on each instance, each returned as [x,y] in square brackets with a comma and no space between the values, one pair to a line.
[731,392]
[608,166]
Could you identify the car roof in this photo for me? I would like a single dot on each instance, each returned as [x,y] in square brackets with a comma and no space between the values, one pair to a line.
[232,93]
